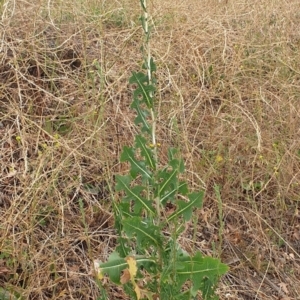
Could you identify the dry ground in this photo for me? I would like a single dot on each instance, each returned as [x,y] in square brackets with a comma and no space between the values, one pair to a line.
[228,98]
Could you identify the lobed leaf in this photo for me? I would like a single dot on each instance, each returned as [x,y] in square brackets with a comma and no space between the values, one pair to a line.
[169,181]
[182,188]
[116,264]
[123,248]
[151,66]
[144,88]
[146,234]
[145,151]
[185,209]
[113,268]
[202,271]
[143,5]
[137,166]
[133,194]
[141,117]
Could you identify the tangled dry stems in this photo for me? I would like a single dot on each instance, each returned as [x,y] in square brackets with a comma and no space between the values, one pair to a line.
[228,76]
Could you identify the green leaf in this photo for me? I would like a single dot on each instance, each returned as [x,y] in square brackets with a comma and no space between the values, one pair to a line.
[185,209]
[208,289]
[116,264]
[143,5]
[152,67]
[145,151]
[113,267]
[182,188]
[171,291]
[144,89]
[169,180]
[146,234]
[149,263]
[137,167]
[143,22]
[177,164]
[123,248]
[142,115]
[168,187]
[124,210]
[202,271]
[133,194]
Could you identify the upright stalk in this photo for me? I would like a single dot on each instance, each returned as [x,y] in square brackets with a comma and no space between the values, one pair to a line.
[147,59]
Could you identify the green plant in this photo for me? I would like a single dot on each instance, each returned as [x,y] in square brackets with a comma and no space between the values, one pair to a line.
[155,205]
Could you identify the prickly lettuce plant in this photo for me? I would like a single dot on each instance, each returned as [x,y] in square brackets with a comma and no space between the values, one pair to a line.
[153,210]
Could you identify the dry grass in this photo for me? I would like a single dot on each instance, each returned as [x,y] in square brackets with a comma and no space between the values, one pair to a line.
[229,87]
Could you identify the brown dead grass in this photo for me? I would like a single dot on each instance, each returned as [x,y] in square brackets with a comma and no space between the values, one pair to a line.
[228,98]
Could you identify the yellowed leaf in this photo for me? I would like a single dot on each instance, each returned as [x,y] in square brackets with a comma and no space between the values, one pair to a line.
[137,291]
[132,266]
[98,269]
[125,276]
[132,273]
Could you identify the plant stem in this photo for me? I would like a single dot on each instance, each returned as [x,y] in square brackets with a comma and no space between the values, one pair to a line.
[149,73]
